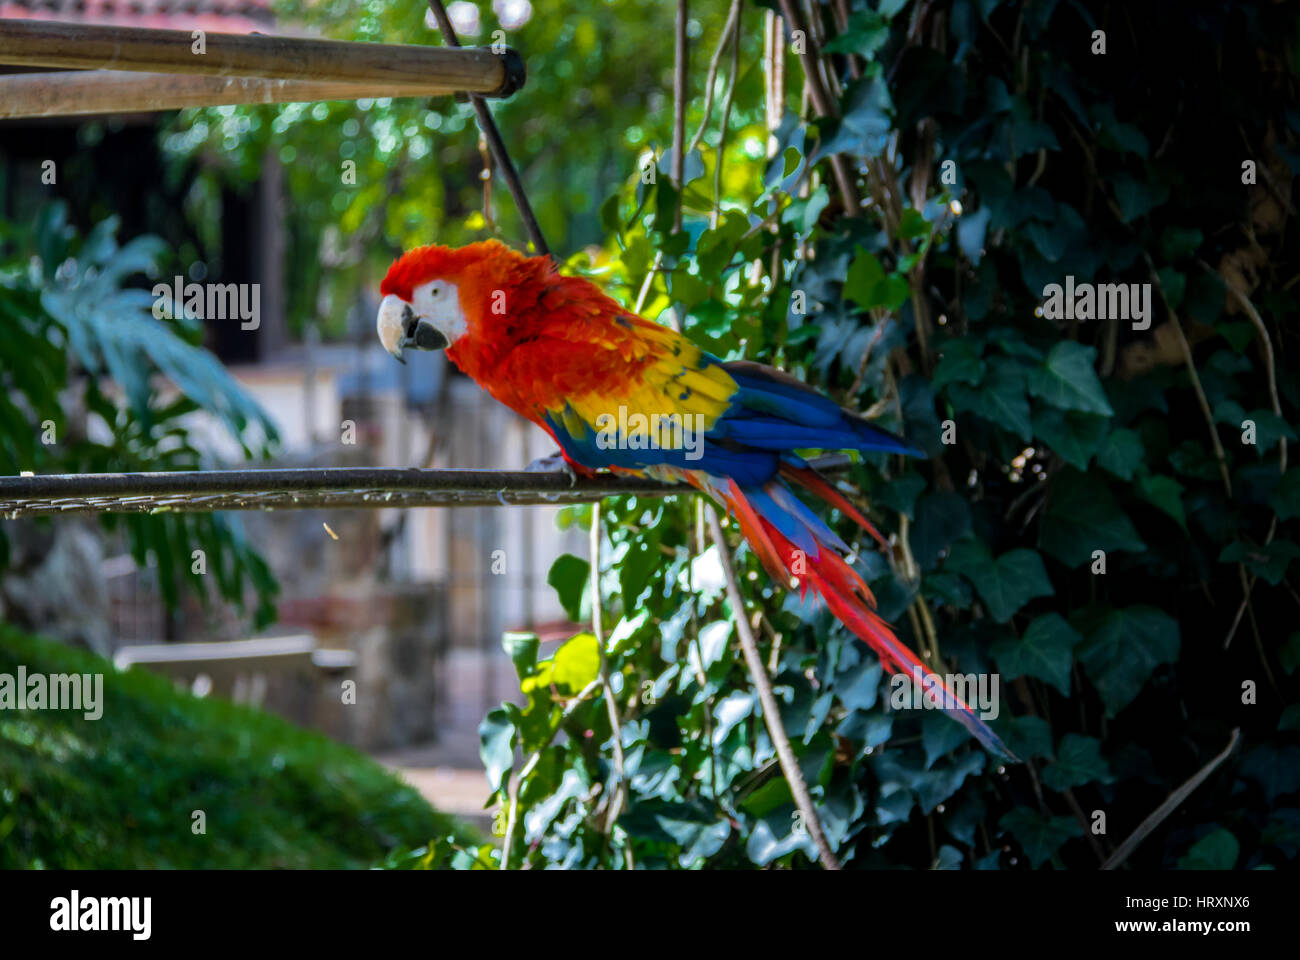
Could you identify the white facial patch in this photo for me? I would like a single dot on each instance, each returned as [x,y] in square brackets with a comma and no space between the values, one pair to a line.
[439,302]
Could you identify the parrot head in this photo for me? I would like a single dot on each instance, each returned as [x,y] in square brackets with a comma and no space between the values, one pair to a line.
[435,296]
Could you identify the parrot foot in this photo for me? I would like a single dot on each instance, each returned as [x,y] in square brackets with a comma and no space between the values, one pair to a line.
[555,463]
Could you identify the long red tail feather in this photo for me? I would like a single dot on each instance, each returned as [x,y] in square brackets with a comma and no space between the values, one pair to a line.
[845,593]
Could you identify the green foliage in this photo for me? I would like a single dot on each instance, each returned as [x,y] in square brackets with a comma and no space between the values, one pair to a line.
[417,161]
[1077,537]
[120,791]
[1074,529]
[73,326]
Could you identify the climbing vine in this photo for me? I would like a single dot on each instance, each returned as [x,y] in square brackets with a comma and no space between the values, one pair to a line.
[1049,241]
[1106,516]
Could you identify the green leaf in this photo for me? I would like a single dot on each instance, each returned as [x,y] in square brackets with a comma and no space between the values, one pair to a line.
[1000,399]
[626,628]
[636,567]
[805,213]
[1026,736]
[1286,495]
[1123,648]
[1044,651]
[692,827]
[940,736]
[941,518]
[959,362]
[576,663]
[1290,655]
[971,231]
[1268,561]
[1174,283]
[948,588]
[867,284]
[859,686]
[792,158]
[1005,584]
[913,225]
[1039,835]
[1082,516]
[770,796]
[1165,493]
[1078,761]
[1067,380]
[949,858]
[1239,333]
[1074,436]
[713,640]
[1136,197]
[1121,453]
[1116,135]
[1179,242]
[935,786]
[609,217]
[865,275]
[1290,719]
[864,34]
[1283,831]
[728,712]
[1269,427]
[900,494]
[496,736]
[522,648]
[774,836]
[1215,851]
[569,576]
[1276,769]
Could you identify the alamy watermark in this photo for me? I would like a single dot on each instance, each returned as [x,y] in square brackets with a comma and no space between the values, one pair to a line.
[53,691]
[1098,301]
[655,431]
[75,913]
[209,301]
[930,691]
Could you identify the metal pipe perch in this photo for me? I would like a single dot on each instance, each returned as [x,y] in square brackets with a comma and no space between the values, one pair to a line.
[303,489]
[318,488]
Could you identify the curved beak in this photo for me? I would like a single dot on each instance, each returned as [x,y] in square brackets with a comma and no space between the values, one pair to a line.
[399,327]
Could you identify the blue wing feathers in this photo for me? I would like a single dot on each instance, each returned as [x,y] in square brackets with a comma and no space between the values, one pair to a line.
[770,415]
[774,411]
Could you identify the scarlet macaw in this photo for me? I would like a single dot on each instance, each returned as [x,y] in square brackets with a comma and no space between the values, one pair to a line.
[561,353]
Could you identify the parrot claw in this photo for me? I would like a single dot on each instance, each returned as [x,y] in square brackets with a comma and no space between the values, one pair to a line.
[555,463]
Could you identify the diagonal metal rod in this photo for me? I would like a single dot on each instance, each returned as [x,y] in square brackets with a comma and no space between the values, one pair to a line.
[488,127]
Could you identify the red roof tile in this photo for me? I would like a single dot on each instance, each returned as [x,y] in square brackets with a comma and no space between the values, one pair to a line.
[218,16]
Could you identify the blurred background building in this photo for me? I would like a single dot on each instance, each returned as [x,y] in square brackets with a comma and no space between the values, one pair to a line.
[403,603]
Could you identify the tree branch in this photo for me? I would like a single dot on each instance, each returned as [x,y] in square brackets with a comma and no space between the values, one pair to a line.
[771,711]
[1161,812]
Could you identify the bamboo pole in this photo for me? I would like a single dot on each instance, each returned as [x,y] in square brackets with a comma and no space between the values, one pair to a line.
[91,47]
[68,93]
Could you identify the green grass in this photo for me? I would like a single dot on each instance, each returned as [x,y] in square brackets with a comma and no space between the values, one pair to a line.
[120,791]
